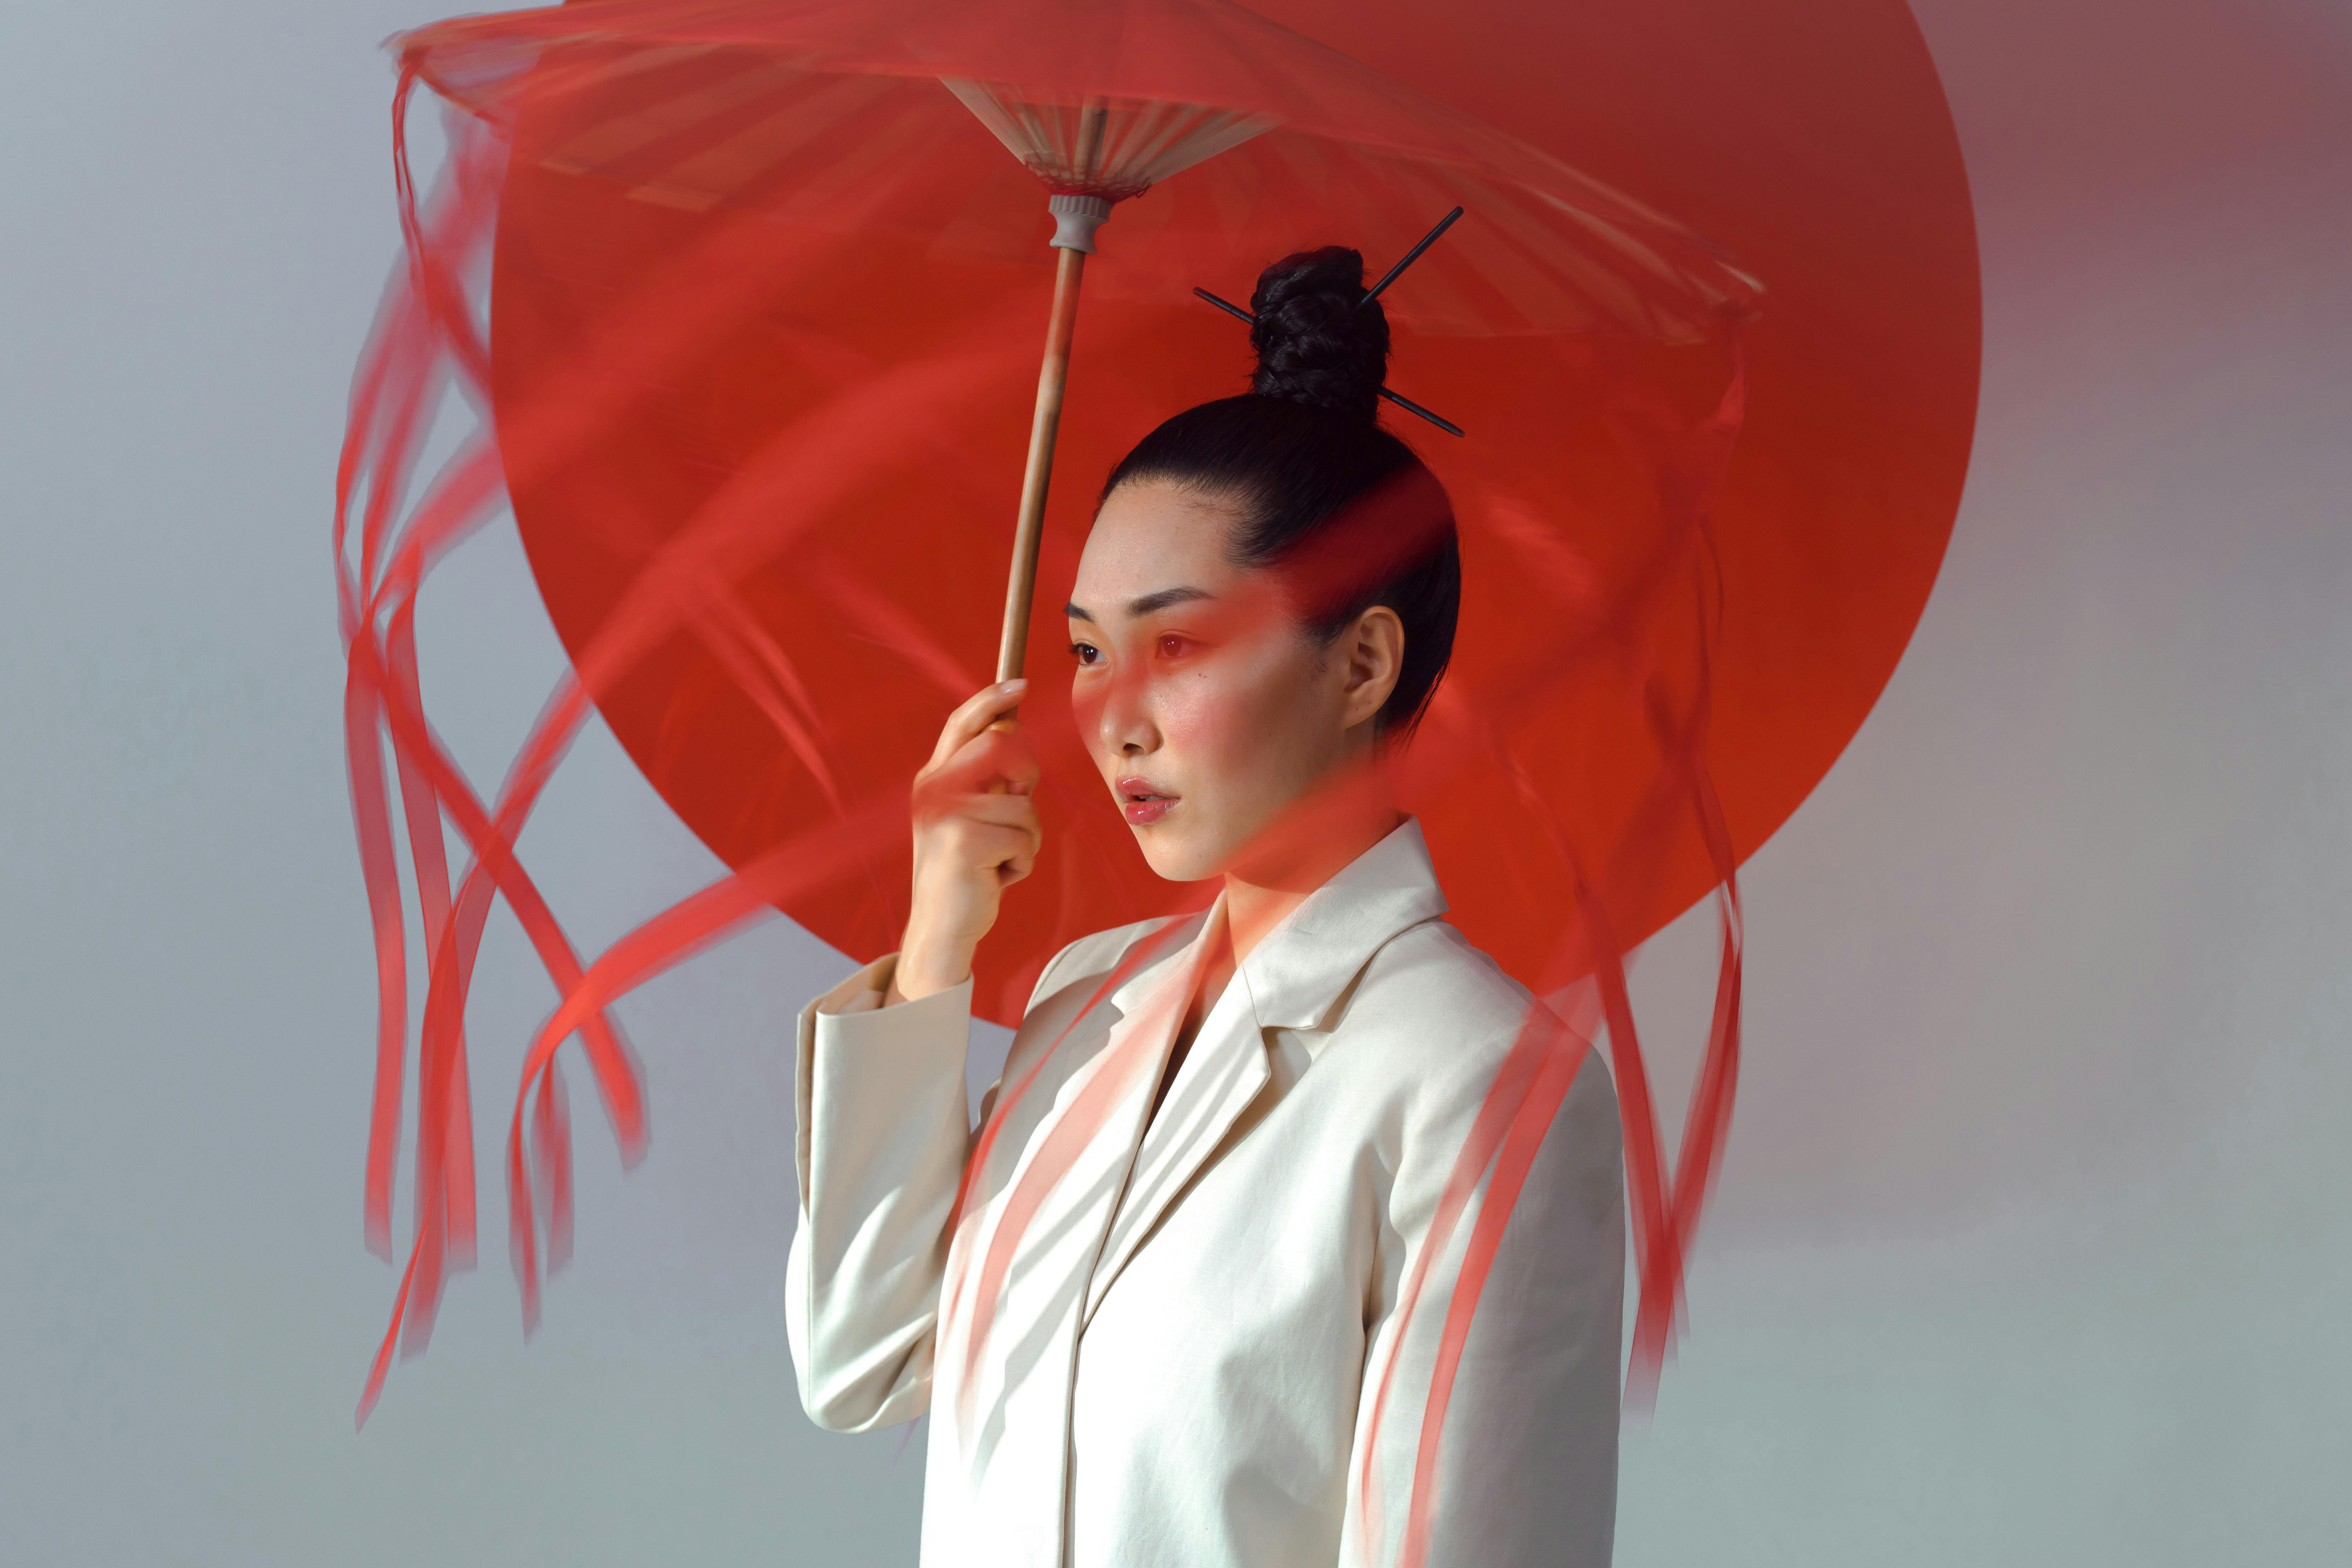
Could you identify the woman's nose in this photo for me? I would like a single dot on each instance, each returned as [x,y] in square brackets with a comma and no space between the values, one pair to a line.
[1124,724]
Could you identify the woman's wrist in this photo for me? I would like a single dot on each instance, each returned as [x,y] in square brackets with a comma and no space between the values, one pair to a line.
[926,968]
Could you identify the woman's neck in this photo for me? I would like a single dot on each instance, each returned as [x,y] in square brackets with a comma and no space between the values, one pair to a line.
[1312,842]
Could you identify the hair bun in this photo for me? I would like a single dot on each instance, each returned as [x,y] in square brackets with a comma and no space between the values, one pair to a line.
[1318,341]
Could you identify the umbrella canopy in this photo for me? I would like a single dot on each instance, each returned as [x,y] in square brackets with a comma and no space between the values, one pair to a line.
[865,119]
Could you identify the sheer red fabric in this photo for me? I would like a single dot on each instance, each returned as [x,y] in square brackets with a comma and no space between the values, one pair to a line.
[764,291]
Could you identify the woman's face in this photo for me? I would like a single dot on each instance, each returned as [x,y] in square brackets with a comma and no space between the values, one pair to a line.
[1206,705]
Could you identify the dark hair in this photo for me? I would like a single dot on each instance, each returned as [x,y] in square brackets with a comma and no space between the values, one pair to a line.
[1316,478]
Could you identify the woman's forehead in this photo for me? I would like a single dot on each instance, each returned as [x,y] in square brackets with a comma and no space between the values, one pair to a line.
[1151,536]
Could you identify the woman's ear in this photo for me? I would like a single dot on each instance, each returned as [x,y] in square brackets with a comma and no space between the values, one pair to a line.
[1371,651]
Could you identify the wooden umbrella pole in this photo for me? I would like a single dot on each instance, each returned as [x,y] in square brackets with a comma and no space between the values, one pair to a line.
[1052,377]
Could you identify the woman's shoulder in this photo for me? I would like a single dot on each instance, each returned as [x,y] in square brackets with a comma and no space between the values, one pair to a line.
[1430,973]
[1434,1017]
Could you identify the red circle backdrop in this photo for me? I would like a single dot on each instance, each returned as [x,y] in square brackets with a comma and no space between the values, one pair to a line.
[1810,140]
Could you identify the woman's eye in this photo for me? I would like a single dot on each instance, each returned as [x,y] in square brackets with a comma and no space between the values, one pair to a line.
[1173,646]
[1084,652]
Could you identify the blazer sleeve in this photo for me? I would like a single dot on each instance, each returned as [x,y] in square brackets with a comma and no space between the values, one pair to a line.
[880,1093]
[883,1131]
[1527,1466]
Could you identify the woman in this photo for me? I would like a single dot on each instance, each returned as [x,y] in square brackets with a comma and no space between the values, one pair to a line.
[1152,1305]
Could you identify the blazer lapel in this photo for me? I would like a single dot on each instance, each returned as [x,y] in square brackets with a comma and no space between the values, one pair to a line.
[1221,1075]
[1062,1172]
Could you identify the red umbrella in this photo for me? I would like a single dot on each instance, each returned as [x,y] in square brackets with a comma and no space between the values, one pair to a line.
[751,260]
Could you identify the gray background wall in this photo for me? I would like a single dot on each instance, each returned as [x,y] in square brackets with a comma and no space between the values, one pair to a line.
[2032,1246]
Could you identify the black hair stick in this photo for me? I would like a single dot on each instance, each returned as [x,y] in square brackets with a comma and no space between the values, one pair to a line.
[1227,306]
[1407,404]
[1410,258]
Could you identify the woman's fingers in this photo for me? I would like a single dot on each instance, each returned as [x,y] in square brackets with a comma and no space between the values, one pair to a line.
[999,847]
[1001,811]
[991,818]
[999,761]
[979,710]
[1001,757]
[976,832]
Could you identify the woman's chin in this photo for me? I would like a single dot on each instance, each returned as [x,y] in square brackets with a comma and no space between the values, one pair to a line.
[1173,857]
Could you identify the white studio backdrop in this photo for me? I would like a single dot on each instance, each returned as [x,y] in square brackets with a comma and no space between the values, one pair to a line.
[2031,1247]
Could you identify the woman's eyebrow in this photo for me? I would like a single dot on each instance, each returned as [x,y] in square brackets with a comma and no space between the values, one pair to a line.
[1151,603]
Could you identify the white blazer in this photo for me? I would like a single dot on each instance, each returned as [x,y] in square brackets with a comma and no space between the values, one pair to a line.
[1181,1368]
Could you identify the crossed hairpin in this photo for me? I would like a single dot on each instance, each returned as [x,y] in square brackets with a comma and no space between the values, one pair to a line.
[1407,404]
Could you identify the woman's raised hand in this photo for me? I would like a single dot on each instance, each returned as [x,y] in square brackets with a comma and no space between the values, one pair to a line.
[976,834]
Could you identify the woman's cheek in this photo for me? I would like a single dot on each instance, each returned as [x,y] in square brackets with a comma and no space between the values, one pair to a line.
[1086,698]
[1234,732]
[1199,724]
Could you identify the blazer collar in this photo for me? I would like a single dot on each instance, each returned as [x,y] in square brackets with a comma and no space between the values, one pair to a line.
[1174,942]
[1302,966]
[1299,969]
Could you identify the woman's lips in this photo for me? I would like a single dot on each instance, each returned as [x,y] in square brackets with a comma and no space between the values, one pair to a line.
[1143,801]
